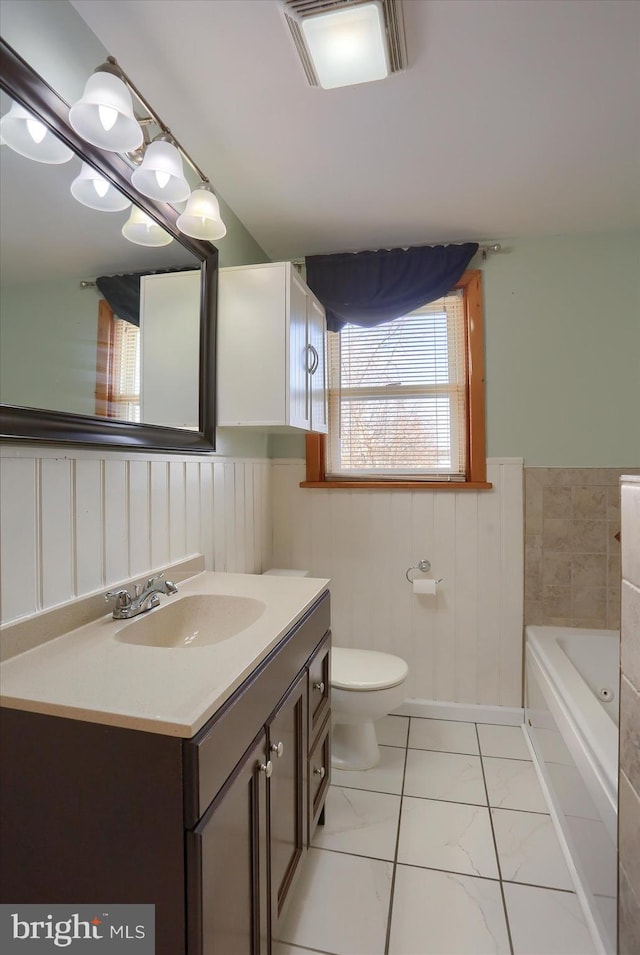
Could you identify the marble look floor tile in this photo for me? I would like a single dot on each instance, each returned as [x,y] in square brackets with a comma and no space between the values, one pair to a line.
[386,777]
[513,784]
[505,741]
[448,776]
[392,730]
[447,835]
[529,850]
[363,823]
[340,905]
[447,736]
[439,913]
[545,922]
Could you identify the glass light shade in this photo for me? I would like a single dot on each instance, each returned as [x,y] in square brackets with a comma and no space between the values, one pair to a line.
[28,136]
[104,115]
[143,230]
[96,192]
[347,46]
[201,217]
[161,175]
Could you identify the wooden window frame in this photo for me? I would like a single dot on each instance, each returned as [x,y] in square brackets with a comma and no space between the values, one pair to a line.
[471,284]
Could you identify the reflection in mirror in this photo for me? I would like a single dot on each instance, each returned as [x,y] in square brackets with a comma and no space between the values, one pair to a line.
[76,365]
[58,351]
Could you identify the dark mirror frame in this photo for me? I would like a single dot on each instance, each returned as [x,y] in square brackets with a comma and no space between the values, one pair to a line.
[24,85]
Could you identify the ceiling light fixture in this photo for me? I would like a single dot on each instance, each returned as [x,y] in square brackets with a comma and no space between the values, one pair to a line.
[27,136]
[141,229]
[161,174]
[201,218]
[104,115]
[346,42]
[96,192]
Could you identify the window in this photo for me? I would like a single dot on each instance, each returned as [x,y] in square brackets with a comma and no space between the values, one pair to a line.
[406,399]
[118,367]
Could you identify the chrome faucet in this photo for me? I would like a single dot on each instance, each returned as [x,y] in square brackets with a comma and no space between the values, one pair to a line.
[144,598]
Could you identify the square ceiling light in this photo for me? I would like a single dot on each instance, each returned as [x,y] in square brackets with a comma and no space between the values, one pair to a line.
[345,42]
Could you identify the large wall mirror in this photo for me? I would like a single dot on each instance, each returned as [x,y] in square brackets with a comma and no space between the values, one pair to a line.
[66,348]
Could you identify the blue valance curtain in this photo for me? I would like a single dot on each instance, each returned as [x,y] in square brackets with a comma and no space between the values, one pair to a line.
[369,288]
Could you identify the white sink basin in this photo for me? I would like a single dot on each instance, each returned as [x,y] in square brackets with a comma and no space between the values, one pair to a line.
[198,620]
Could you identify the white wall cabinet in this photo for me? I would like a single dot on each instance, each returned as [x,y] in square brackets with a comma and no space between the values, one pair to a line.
[271,350]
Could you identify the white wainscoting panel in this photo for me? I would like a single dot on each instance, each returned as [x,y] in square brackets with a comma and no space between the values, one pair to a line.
[464,644]
[76,522]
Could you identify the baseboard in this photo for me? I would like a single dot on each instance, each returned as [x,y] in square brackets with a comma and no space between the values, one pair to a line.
[464,712]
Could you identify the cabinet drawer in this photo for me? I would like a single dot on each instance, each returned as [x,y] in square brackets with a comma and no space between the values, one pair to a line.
[319,774]
[211,755]
[319,688]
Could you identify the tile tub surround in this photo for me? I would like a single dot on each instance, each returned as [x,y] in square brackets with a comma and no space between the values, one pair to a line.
[445,874]
[629,782]
[572,559]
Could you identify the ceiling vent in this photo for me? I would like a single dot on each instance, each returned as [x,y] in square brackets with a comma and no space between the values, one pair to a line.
[297,10]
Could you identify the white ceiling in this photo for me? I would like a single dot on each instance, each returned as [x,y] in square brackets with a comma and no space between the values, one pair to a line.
[513,118]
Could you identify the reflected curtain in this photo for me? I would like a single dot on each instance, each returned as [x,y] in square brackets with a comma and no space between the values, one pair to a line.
[369,288]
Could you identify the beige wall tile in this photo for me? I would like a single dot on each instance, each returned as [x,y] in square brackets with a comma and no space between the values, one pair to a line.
[556,602]
[556,501]
[630,733]
[589,603]
[629,835]
[557,535]
[588,537]
[556,570]
[613,608]
[589,503]
[589,570]
[628,918]
[630,647]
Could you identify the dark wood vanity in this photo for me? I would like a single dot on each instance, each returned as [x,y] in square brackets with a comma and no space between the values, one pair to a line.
[211,829]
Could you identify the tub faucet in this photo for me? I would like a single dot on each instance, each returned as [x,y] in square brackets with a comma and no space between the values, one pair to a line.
[144,598]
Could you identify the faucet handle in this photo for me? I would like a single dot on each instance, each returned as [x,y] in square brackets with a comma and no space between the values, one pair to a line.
[122,598]
[151,580]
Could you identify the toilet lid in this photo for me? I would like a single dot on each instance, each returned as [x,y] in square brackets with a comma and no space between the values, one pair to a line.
[365,669]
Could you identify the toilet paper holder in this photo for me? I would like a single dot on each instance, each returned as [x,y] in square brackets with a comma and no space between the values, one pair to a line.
[424,566]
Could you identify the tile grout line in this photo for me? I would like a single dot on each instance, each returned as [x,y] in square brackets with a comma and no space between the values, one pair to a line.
[495,846]
[395,857]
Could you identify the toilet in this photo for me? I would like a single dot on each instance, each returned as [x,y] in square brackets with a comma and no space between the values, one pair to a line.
[365,686]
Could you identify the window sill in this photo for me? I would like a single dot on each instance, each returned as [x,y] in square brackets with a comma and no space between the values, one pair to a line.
[403,485]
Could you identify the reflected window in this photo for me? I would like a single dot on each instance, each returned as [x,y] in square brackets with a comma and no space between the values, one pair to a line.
[118,367]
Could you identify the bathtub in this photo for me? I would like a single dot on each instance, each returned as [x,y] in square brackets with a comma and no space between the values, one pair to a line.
[572,705]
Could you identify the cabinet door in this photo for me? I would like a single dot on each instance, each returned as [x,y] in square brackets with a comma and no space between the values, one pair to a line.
[227,866]
[287,794]
[299,357]
[318,369]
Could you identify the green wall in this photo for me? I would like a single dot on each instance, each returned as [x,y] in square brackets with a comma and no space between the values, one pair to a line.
[562,327]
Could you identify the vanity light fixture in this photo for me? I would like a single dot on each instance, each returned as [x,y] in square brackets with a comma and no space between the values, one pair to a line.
[201,217]
[104,115]
[347,42]
[27,136]
[141,229]
[161,174]
[96,192]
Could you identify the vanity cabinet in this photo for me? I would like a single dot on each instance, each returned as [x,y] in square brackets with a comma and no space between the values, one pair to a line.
[271,349]
[212,829]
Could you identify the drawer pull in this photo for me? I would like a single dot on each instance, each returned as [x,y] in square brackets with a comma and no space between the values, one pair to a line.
[267,768]
[277,748]
[319,772]
[319,687]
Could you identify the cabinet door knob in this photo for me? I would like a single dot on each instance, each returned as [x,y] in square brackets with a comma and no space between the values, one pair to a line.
[267,768]
[319,772]
[277,748]
[319,687]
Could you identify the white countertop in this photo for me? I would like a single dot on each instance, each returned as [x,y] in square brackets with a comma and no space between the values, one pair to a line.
[88,674]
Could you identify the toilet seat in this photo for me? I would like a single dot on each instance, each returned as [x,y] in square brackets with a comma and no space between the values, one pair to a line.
[366,669]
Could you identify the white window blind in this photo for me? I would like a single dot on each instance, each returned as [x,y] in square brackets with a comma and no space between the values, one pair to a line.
[397,397]
[125,380]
